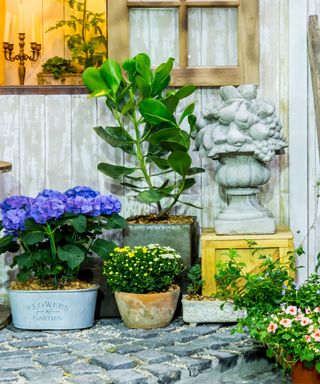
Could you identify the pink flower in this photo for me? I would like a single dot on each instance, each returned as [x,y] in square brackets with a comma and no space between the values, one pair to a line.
[308,338]
[299,317]
[310,329]
[308,311]
[291,310]
[316,335]
[316,310]
[272,327]
[305,321]
[286,322]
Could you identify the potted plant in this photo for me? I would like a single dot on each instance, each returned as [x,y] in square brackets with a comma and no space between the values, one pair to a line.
[206,309]
[291,330]
[86,41]
[143,279]
[155,139]
[240,295]
[292,335]
[62,71]
[55,233]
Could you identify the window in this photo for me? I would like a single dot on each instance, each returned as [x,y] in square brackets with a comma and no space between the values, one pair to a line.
[214,42]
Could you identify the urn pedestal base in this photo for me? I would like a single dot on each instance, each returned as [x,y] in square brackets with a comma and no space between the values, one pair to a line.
[214,249]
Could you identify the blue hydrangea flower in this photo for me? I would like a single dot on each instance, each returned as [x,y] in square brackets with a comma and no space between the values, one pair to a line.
[52,193]
[15,202]
[109,204]
[79,205]
[13,219]
[43,209]
[81,191]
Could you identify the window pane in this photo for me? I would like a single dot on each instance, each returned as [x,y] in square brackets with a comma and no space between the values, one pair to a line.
[154,31]
[212,37]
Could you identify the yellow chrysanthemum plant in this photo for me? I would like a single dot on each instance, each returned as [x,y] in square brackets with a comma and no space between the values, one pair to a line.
[142,269]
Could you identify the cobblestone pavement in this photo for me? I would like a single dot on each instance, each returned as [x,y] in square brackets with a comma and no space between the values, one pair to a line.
[111,353]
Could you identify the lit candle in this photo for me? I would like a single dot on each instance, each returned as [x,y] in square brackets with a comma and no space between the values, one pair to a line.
[33,28]
[21,19]
[6,34]
[13,29]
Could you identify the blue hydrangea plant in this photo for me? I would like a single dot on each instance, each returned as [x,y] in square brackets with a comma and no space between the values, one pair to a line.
[56,232]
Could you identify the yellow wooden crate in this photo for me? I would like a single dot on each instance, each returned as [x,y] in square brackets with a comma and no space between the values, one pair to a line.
[214,249]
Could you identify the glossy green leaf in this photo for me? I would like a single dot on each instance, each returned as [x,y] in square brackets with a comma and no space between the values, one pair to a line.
[171,103]
[111,74]
[159,161]
[103,247]
[180,162]
[154,112]
[130,67]
[185,91]
[116,221]
[115,171]
[307,355]
[93,80]
[318,366]
[72,255]
[31,238]
[8,244]
[188,111]
[150,196]
[143,65]
[164,134]
[143,86]
[188,183]
[190,204]
[192,119]
[79,223]
[162,76]
[117,137]
[195,171]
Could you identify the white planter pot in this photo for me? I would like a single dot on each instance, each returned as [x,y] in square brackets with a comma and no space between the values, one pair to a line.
[209,311]
[53,309]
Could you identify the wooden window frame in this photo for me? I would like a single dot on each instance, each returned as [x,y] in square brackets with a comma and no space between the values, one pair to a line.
[247,70]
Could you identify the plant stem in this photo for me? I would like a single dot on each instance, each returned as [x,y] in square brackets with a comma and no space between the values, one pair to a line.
[140,157]
[168,209]
[53,248]
[138,144]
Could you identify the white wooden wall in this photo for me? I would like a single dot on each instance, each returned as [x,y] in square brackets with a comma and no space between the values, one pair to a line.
[50,141]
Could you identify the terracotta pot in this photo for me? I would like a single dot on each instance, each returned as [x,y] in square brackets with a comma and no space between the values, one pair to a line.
[150,310]
[304,375]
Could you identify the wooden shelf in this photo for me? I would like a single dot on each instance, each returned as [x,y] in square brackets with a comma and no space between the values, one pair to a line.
[43,90]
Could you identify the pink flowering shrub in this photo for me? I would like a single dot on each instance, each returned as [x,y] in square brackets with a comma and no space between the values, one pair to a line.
[292,334]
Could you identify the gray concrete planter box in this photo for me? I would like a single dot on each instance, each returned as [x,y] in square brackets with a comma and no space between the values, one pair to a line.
[209,311]
[184,238]
[53,309]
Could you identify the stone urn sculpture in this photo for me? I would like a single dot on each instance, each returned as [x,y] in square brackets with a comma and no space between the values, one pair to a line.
[243,133]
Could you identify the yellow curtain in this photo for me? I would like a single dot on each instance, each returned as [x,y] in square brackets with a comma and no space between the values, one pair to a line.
[2,17]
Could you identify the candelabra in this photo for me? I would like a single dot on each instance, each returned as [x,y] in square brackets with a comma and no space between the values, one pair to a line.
[21,56]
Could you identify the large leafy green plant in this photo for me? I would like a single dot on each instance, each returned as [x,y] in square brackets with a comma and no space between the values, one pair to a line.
[147,129]
[86,41]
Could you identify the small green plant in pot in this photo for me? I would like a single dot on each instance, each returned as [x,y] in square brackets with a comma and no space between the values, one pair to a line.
[147,129]
[86,41]
[206,309]
[58,67]
[143,279]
